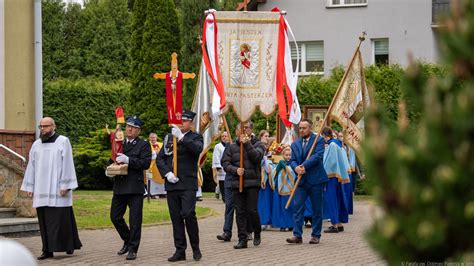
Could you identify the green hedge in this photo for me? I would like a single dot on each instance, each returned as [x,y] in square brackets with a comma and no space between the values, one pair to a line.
[84,105]
[90,157]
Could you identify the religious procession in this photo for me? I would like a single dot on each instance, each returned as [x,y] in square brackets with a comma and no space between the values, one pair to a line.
[228,113]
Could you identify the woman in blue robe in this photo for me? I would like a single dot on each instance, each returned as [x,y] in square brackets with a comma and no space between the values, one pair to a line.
[337,168]
[284,179]
[265,194]
[349,187]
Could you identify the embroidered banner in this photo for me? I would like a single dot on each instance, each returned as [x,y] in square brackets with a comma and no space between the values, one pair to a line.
[247,48]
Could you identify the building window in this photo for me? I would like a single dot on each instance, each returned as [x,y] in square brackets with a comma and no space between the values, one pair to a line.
[380,51]
[311,57]
[346,3]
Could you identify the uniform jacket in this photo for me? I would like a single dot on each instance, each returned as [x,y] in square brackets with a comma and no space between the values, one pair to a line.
[139,156]
[189,149]
[253,155]
[315,173]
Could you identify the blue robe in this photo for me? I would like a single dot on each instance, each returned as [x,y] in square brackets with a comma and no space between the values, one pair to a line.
[265,194]
[337,168]
[351,186]
[284,179]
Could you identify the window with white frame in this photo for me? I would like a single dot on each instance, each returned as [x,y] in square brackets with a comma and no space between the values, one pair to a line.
[346,3]
[380,51]
[311,57]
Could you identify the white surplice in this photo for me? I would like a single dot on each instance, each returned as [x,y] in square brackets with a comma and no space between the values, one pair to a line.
[50,169]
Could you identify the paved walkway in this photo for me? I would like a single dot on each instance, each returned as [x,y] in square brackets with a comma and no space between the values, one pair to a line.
[349,247]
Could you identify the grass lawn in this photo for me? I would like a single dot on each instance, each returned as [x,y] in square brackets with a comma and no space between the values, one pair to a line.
[92,209]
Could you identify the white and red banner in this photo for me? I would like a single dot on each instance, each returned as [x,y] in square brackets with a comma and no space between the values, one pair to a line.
[248,58]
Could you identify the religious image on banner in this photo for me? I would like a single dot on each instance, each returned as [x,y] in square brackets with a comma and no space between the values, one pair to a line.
[245,64]
[247,49]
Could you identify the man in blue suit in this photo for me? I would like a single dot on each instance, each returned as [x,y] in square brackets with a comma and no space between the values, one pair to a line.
[312,182]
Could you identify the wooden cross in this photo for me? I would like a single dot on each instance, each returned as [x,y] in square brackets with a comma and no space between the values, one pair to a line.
[174,73]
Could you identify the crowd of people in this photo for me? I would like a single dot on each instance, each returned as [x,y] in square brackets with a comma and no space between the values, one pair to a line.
[325,191]
[254,179]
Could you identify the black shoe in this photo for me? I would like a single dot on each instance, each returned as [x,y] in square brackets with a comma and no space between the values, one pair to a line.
[242,244]
[249,236]
[123,250]
[131,255]
[177,257]
[217,196]
[307,225]
[340,228]
[198,198]
[331,229]
[294,240]
[224,237]
[45,255]
[197,255]
[69,252]
[257,240]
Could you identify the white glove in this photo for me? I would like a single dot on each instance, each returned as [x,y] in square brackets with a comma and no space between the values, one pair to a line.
[177,132]
[122,158]
[171,178]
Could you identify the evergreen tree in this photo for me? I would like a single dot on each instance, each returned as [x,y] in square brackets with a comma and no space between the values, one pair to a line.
[192,18]
[230,5]
[423,171]
[73,24]
[53,38]
[106,36]
[160,38]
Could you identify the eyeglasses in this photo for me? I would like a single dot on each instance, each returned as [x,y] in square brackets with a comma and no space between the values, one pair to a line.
[44,126]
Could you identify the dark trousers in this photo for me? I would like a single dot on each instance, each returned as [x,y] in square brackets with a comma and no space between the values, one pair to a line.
[222,190]
[130,236]
[182,208]
[245,203]
[229,211]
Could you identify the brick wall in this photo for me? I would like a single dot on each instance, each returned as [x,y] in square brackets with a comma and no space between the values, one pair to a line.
[19,141]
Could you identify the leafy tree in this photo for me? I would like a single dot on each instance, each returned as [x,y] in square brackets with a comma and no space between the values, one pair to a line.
[160,38]
[53,38]
[423,168]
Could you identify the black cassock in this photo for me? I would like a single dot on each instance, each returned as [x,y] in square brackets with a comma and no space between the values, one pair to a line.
[58,229]
[181,196]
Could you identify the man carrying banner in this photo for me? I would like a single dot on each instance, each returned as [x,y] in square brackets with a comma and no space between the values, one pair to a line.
[312,182]
[245,201]
[181,188]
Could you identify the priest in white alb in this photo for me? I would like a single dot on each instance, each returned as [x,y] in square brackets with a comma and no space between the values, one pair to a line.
[49,179]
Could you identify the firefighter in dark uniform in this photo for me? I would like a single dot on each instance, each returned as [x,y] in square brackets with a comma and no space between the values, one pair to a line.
[181,189]
[128,189]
